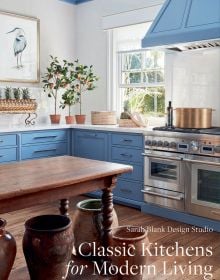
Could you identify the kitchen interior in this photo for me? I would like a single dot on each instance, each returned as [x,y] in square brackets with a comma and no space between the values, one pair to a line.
[173,191]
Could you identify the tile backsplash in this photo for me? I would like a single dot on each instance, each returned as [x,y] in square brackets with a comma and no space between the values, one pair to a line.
[193,80]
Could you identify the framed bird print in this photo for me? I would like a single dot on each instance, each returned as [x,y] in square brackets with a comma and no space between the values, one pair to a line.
[19,48]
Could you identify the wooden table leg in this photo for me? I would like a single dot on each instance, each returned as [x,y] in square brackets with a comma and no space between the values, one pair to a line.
[107,209]
[64,207]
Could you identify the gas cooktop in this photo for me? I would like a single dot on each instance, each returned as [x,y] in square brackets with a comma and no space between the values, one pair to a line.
[211,131]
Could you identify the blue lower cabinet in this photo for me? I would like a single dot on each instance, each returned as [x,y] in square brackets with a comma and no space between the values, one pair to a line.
[8,154]
[8,140]
[126,154]
[44,150]
[91,144]
[136,174]
[128,190]
[44,136]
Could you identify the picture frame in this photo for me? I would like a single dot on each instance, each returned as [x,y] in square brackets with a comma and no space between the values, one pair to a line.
[19,51]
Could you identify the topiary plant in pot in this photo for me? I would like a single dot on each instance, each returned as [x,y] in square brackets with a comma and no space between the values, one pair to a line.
[68,99]
[83,80]
[54,80]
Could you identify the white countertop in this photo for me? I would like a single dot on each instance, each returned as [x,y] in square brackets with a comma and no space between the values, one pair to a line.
[17,128]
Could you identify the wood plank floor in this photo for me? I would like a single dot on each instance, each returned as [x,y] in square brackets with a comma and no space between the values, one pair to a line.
[193,268]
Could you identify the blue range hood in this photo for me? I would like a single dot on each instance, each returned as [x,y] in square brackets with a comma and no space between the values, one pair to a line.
[185,25]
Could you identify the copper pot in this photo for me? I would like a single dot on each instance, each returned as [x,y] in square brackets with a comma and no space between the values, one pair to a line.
[193,117]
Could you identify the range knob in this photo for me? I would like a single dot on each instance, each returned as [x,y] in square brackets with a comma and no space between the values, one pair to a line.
[173,145]
[194,146]
[217,149]
[148,142]
[154,143]
[166,144]
[160,143]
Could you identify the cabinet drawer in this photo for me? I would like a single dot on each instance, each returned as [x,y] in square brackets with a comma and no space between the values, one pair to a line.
[44,150]
[7,155]
[130,190]
[127,140]
[8,140]
[126,155]
[91,144]
[44,136]
[136,175]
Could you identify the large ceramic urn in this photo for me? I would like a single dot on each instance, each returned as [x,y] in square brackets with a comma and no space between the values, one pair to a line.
[7,251]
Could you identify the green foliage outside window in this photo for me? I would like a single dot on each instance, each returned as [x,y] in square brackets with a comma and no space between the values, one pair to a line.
[142,82]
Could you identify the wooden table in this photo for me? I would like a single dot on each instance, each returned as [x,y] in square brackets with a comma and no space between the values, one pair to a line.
[28,183]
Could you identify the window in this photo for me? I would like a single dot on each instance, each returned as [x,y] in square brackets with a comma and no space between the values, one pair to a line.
[140,83]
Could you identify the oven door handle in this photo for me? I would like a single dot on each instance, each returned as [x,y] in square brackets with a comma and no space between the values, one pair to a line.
[201,161]
[178,197]
[162,157]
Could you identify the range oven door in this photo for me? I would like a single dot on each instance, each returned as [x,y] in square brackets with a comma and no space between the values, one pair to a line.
[163,170]
[203,188]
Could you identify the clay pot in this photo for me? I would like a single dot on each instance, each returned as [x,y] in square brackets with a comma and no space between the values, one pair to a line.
[87,225]
[80,119]
[70,119]
[126,237]
[7,251]
[55,119]
[47,246]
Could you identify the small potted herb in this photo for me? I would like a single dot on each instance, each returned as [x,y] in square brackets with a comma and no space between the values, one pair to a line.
[8,93]
[17,93]
[26,94]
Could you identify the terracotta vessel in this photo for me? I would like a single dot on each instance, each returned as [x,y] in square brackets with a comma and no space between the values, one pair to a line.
[7,251]
[70,119]
[55,119]
[47,246]
[87,225]
[80,119]
[126,237]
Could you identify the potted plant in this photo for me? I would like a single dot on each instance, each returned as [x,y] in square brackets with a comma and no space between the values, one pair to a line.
[17,93]
[8,93]
[26,94]
[83,80]
[69,99]
[55,79]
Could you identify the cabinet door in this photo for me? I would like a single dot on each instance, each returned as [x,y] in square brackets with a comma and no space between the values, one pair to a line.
[91,144]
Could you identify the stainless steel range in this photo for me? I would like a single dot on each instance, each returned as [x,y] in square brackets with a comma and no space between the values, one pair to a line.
[182,172]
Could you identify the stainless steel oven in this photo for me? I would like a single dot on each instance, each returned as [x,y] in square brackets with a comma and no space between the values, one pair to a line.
[182,172]
[203,186]
[163,179]
[163,170]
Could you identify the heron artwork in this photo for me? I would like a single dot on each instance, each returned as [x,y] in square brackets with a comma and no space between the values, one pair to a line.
[20,44]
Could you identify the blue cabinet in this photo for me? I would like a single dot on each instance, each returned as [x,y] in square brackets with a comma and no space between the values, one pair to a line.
[127,148]
[8,147]
[90,144]
[47,143]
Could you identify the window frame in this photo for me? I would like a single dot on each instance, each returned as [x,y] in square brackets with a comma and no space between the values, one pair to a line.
[142,71]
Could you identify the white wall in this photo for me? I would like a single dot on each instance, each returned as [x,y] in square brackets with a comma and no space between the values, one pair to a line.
[57,37]
[91,42]
[193,80]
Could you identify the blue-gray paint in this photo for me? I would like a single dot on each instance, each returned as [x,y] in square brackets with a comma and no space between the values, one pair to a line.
[76,2]
[184,21]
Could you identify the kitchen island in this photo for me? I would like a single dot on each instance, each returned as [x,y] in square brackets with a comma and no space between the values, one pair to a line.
[33,182]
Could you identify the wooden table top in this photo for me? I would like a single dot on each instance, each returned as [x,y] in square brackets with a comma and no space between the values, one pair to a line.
[28,177]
